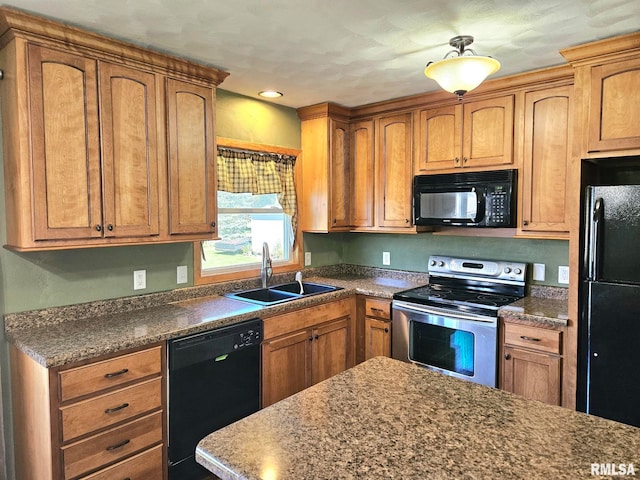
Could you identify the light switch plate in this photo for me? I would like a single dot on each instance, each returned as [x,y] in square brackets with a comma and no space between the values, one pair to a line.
[181,274]
[539,272]
[139,279]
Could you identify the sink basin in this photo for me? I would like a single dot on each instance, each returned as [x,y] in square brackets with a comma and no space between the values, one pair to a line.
[280,293]
[263,296]
[309,288]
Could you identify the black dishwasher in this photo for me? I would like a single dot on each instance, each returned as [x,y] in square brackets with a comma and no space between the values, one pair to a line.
[214,380]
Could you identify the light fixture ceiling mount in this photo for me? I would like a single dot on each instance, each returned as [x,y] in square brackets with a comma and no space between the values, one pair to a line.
[462,69]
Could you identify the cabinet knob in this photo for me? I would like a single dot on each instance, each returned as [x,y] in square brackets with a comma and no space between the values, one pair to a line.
[99,228]
[406,220]
[464,159]
[316,337]
[311,338]
[213,224]
[110,227]
[386,330]
[1,74]
[335,221]
[456,160]
[525,222]
[507,356]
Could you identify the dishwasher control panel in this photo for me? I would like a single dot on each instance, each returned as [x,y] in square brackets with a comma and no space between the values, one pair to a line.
[248,338]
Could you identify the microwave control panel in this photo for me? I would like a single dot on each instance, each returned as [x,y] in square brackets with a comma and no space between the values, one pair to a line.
[498,209]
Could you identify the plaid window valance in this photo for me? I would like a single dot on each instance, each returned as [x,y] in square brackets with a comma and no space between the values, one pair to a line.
[244,171]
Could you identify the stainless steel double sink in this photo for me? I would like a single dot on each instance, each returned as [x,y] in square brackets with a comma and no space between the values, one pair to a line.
[281,293]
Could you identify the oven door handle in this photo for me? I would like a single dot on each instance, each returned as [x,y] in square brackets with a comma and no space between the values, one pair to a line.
[442,311]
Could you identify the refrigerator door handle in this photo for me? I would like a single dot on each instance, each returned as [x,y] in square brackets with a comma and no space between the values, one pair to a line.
[594,241]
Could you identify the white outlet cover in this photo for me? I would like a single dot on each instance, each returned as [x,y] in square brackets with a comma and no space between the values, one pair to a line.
[139,279]
[386,258]
[181,274]
[307,259]
[563,274]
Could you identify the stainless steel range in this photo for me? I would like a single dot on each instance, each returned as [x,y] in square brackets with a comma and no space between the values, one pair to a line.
[451,325]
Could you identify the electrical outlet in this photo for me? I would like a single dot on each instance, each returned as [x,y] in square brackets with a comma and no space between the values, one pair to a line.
[181,274]
[139,279]
[307,259]
[538,272]
[563,274]
[386,258]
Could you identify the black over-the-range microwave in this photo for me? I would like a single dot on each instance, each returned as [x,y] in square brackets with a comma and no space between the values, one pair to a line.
[469,199]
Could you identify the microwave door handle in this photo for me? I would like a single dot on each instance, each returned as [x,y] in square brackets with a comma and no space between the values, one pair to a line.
[480,204]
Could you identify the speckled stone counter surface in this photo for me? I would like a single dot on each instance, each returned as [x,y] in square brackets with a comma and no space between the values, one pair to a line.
[58,336]
[537,310]
[387,419]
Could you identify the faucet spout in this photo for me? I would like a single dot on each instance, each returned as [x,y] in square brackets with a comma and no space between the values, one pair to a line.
[266,271]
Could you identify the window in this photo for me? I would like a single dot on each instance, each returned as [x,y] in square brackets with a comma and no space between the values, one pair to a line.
[245,221]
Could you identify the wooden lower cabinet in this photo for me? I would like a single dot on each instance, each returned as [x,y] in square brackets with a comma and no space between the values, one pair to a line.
[532,362]
[377,327]
[305,347]
[111,425]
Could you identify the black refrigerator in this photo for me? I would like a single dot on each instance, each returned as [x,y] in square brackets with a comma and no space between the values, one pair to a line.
[609,329]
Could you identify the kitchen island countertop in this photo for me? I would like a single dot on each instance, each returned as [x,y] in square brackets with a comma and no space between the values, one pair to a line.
[387,419]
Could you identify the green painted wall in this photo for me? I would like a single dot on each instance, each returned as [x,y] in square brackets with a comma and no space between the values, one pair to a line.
[411,252]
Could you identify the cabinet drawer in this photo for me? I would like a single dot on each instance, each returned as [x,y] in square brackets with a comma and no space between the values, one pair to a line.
[98,376]
[108,409]
[377,308]
[112,445]
[541,339]
[144,466]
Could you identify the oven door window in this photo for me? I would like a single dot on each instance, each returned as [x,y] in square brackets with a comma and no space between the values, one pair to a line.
[442,347]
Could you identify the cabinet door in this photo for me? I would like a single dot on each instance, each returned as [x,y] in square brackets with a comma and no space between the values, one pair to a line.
[377,337]
[439,139]
[615,106]
[330,350]
[394,172]
[362,174]
[192,157]
[531,374]
[286,366]
[488,132]
[65,145]
[547,148]
[339,174]
[129,151]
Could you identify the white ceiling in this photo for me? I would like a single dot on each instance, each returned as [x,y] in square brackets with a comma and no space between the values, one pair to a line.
[351,52]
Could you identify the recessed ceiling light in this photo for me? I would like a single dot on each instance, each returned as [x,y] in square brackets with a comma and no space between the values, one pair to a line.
[270,94]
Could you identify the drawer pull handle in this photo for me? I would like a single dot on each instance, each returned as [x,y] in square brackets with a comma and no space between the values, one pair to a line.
[379,311]
[118,445]
[116,374]
[116,409]
[529,339]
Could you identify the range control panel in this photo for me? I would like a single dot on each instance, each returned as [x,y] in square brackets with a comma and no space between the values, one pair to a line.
[494,269]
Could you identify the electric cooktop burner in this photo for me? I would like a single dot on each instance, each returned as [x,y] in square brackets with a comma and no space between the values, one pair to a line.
[478,286]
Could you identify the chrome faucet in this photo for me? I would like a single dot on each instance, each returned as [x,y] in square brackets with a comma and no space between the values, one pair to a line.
[266,271]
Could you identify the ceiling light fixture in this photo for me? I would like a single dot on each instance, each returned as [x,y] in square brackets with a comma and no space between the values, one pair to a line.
[270,94]
[464,70]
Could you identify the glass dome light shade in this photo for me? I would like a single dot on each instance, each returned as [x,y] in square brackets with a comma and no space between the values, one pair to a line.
[462,73]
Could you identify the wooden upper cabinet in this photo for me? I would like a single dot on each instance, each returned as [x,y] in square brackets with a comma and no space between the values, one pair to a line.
[472,135]
[362,174]
[326,194]
[394,171]
[63,97]
[85,139]
[192,171]
[615,106]
[546,154]
[129,151]
[339,167]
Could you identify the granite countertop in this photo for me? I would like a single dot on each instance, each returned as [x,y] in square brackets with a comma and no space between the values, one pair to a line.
[551,312]
[56,337]
[388,419]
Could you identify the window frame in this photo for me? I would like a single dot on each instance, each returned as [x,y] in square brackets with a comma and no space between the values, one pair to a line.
[293,264]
